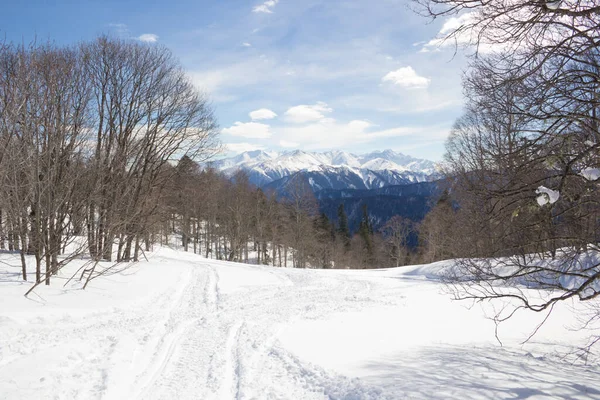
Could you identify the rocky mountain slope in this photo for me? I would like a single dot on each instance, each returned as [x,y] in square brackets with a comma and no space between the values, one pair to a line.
[330,170]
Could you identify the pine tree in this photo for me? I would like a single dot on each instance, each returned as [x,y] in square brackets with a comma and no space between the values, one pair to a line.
[332,231]
[343,229]
[365,231]
[323,230]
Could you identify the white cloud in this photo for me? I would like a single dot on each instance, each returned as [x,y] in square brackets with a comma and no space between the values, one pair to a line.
[359,125]
[226,82]
[286,76]
[285,143]
[246,44]
[253,130]
[148,38]
[263,113]
[463,31]
[308,127]
[307,113]
[454,23]
[463,37]
[266,7]
[329,133]
[407,78]
[242,147]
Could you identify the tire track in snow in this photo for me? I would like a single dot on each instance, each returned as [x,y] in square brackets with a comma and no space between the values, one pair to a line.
[318,382]
[213,353]
[198,349]
[230,386]
[164,356]
[178,324]
[212,297]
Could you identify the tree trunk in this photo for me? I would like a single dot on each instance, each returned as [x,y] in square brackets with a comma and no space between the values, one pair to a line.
[136,251]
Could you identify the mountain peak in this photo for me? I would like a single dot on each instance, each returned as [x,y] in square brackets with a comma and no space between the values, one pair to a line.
[390,152]
[378,168]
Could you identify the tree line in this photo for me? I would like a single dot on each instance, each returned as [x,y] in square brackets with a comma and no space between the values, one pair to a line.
[100,151]
[228,218]
[87,137]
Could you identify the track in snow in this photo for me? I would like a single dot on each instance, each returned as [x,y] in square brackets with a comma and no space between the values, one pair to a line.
[228,346]
[214,330]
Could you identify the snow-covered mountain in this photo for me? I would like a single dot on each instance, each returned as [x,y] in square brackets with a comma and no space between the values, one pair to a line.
[330,170]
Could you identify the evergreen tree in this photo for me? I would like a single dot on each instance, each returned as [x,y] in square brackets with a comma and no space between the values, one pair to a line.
[323,223]
[323,230]
[332,231]
[343,229]
[365,231]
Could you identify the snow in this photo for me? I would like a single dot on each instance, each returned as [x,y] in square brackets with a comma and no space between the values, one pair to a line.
[343,158]
[379,164]
[278,165]
[546,196]
[245,158]
[591,174]
[553,4]
[181,326]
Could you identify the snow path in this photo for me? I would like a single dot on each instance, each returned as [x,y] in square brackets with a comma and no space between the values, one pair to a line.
[228,349]
[182,327]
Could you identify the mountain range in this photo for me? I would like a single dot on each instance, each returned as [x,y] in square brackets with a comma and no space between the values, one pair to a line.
[329,170]
[388,183]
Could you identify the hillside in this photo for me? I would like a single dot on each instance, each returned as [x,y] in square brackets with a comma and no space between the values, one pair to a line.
[409,201]
[184,327]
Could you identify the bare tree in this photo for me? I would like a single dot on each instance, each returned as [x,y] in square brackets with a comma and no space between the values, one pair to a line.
[303,210]
[44,104]
[87,134]
[147,114]
[525,156]
[396,232]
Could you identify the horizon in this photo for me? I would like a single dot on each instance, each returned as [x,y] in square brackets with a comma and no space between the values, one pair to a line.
[315,75]
[224,156]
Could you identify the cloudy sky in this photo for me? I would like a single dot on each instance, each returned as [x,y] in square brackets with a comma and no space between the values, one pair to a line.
[357,75]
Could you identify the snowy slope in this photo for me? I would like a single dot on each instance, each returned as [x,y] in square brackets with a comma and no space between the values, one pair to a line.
[183,327]
[377,169]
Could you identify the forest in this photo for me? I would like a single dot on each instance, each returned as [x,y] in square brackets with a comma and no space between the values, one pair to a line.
[102,147]
[87,137]
[228,218]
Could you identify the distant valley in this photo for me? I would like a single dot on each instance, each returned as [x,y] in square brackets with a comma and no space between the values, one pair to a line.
[389,183]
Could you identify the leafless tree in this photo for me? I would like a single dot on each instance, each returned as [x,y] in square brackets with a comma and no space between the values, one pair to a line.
[396,232]
[147,114]
[303,209]
[438,232]
[504,162]
[44,115]
[87,134]
[523,154]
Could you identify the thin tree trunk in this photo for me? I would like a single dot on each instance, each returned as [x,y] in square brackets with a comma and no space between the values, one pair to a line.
[136,251]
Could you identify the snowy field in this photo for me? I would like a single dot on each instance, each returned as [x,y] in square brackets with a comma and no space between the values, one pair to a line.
[183,327]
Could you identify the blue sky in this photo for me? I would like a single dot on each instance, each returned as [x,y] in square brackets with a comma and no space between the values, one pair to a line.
[284,74]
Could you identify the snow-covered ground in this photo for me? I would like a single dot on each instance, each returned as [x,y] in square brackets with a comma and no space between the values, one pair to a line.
[183,327]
